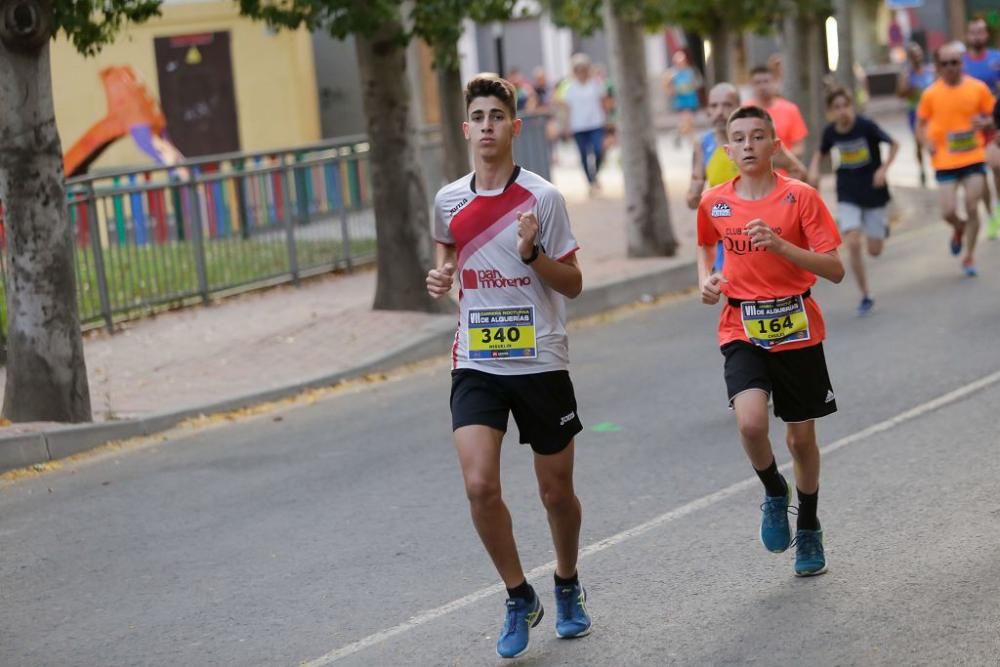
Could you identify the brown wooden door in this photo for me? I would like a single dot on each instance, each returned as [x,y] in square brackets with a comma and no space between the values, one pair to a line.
[196,92]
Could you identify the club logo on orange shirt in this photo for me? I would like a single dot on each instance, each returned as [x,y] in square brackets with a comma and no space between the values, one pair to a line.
[721,210]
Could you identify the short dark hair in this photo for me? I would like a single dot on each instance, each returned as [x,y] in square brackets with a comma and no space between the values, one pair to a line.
[752,112]
[761,69]
[840,91]
[491,85]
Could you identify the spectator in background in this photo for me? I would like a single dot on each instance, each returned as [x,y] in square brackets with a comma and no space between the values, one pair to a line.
[540,83]
[610,111]
[914,78]
[584,98]
[788,122]
[983,63]
[526,100]
[683,83]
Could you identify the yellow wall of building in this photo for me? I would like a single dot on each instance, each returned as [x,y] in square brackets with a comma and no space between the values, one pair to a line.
[273,77]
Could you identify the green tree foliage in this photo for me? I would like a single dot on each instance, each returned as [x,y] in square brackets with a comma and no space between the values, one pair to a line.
[439,23]
[89,25]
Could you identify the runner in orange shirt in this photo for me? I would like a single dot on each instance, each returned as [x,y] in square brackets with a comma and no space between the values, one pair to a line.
[778,237]
[788,122]
[951,113]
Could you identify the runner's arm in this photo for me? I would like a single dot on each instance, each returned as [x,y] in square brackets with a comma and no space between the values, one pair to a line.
[439,280]
[788,161]
[813,178]
[564,276]
[697,178]
[710,282]
[823,264]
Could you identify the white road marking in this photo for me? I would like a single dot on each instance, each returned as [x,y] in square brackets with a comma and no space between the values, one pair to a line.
[643,528]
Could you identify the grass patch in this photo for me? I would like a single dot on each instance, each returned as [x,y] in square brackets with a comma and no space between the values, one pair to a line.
[141,278]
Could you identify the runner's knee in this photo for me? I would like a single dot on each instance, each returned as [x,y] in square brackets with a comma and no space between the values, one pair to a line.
[800,444]
[557,496]
[753,428]
[482,490]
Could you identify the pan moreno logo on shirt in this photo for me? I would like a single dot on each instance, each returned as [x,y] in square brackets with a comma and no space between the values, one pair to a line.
[491,279]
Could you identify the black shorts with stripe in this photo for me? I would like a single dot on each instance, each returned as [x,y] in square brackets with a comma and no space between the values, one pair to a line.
[543,405]
[797,380]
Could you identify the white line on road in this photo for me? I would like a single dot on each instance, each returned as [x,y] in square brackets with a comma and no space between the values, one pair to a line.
[655,522]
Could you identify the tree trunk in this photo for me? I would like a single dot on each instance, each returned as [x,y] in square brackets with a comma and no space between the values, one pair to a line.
[845,44]
[646,208]
[456,150]
[46,373]
[722,53]
[805,67]
[402,222]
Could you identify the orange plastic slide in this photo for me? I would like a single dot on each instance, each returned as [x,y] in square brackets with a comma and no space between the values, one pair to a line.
[130,107]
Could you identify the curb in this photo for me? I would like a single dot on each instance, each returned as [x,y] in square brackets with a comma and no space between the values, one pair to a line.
[23,450]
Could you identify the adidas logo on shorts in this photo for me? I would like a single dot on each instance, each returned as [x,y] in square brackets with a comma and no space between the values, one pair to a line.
[721,210]
[829,396]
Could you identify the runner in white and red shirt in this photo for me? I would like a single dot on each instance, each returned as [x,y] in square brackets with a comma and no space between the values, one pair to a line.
[503,235]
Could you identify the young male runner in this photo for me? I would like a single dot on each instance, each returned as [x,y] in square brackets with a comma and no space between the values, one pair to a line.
[711,165]
[505,232]
[951,115]
[862,193]
[983,63]
[778,237]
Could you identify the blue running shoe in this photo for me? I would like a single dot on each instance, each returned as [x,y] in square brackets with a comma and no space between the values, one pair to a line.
[969,268]
[522,615]
[775,532]
[866,306]
[955,245]
[809,557]
[572,619]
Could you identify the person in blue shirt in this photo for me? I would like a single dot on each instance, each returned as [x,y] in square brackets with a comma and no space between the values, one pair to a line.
[983,63]
[862,192]
[915,76]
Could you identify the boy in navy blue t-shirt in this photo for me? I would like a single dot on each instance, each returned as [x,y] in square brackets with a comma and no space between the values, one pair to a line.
[862,193]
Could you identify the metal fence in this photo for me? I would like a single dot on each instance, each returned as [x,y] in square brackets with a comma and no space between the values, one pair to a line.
[163,237]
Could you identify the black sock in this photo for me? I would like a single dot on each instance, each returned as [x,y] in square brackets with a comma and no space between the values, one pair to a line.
[572,581]
[524,591]
[807,510]
[774,483]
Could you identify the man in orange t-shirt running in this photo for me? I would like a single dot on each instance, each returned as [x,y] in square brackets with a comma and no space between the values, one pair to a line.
[951,115]
[778,236]
[788,122]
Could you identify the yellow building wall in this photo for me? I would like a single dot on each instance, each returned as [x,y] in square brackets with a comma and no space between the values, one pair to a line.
[273,77]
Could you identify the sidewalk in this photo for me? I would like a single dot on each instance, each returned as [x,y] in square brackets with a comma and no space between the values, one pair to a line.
[275,343]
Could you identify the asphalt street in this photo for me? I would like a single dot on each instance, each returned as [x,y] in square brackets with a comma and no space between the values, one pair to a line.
[337,532]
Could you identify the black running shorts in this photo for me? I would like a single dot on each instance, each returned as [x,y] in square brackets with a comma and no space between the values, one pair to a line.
[543,405]
[797,379]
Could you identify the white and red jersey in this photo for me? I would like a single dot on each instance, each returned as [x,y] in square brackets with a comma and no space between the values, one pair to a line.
[482,227]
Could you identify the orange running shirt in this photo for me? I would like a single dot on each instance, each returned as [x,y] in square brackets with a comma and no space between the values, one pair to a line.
[788,122]
[799,216]
[949,111]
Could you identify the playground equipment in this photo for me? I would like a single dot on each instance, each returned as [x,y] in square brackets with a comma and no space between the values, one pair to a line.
[131,111]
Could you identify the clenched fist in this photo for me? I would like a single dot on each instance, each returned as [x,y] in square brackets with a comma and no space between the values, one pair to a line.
[439,281]
[527,233]
[711,289]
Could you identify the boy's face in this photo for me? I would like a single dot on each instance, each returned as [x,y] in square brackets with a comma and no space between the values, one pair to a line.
[491,127]
[751,145]
[842,111]
[721,104]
